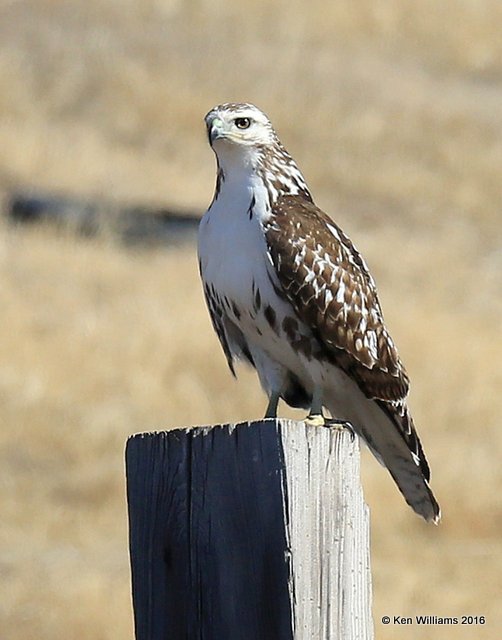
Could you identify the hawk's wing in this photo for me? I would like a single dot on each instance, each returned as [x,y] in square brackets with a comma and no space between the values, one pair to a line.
[329,286]
[216,312]
[230,336]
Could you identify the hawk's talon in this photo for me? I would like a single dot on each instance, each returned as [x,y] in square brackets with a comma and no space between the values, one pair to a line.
[332,423]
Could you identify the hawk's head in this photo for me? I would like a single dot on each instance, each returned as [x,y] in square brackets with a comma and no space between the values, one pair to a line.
[246,144]
[238,124]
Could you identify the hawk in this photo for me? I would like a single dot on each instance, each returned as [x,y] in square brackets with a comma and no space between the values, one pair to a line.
[288,292]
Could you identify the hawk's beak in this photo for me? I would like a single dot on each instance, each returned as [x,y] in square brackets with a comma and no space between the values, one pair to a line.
[215,130]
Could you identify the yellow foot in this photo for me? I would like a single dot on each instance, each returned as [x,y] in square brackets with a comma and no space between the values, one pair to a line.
[315,420]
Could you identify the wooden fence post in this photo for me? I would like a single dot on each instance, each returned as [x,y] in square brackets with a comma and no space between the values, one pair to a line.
[255,531]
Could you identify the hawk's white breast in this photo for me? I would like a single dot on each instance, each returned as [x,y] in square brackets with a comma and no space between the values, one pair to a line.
[232,246]
[236,263]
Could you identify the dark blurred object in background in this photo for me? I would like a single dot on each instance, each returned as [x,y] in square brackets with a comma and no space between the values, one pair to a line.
[131,224]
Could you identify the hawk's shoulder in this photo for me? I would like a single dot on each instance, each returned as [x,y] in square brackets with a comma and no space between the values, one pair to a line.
[328,284]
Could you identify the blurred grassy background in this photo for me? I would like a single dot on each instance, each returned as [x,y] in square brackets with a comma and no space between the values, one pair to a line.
[393,110]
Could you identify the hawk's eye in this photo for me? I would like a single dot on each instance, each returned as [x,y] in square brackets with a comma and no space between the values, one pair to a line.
[242,123]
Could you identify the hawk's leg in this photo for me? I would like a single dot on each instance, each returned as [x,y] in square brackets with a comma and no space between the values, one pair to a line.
[273,401]
[316,417]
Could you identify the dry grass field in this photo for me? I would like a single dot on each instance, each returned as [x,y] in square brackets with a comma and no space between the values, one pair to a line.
[393,110]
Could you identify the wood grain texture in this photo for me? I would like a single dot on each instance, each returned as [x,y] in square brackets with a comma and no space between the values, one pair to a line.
[328,533]
[254,531]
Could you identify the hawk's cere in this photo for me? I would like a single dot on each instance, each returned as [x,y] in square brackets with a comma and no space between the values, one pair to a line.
[288,292]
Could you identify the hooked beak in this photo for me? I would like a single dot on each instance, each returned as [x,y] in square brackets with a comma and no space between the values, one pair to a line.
[215,130]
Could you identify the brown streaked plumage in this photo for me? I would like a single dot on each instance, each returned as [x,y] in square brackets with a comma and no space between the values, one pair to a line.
[349,327]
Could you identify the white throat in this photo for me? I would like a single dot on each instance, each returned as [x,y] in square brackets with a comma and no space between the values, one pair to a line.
[241,189]
[236,158]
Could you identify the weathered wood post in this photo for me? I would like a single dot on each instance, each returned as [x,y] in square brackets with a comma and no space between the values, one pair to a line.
[256,531]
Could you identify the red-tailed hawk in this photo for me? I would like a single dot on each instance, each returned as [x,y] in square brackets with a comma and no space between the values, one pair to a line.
[288,292]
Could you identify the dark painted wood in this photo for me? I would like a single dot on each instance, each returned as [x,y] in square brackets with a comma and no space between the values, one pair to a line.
[207,534]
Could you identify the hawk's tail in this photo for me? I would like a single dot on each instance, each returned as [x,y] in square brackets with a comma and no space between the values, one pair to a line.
[388,430]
